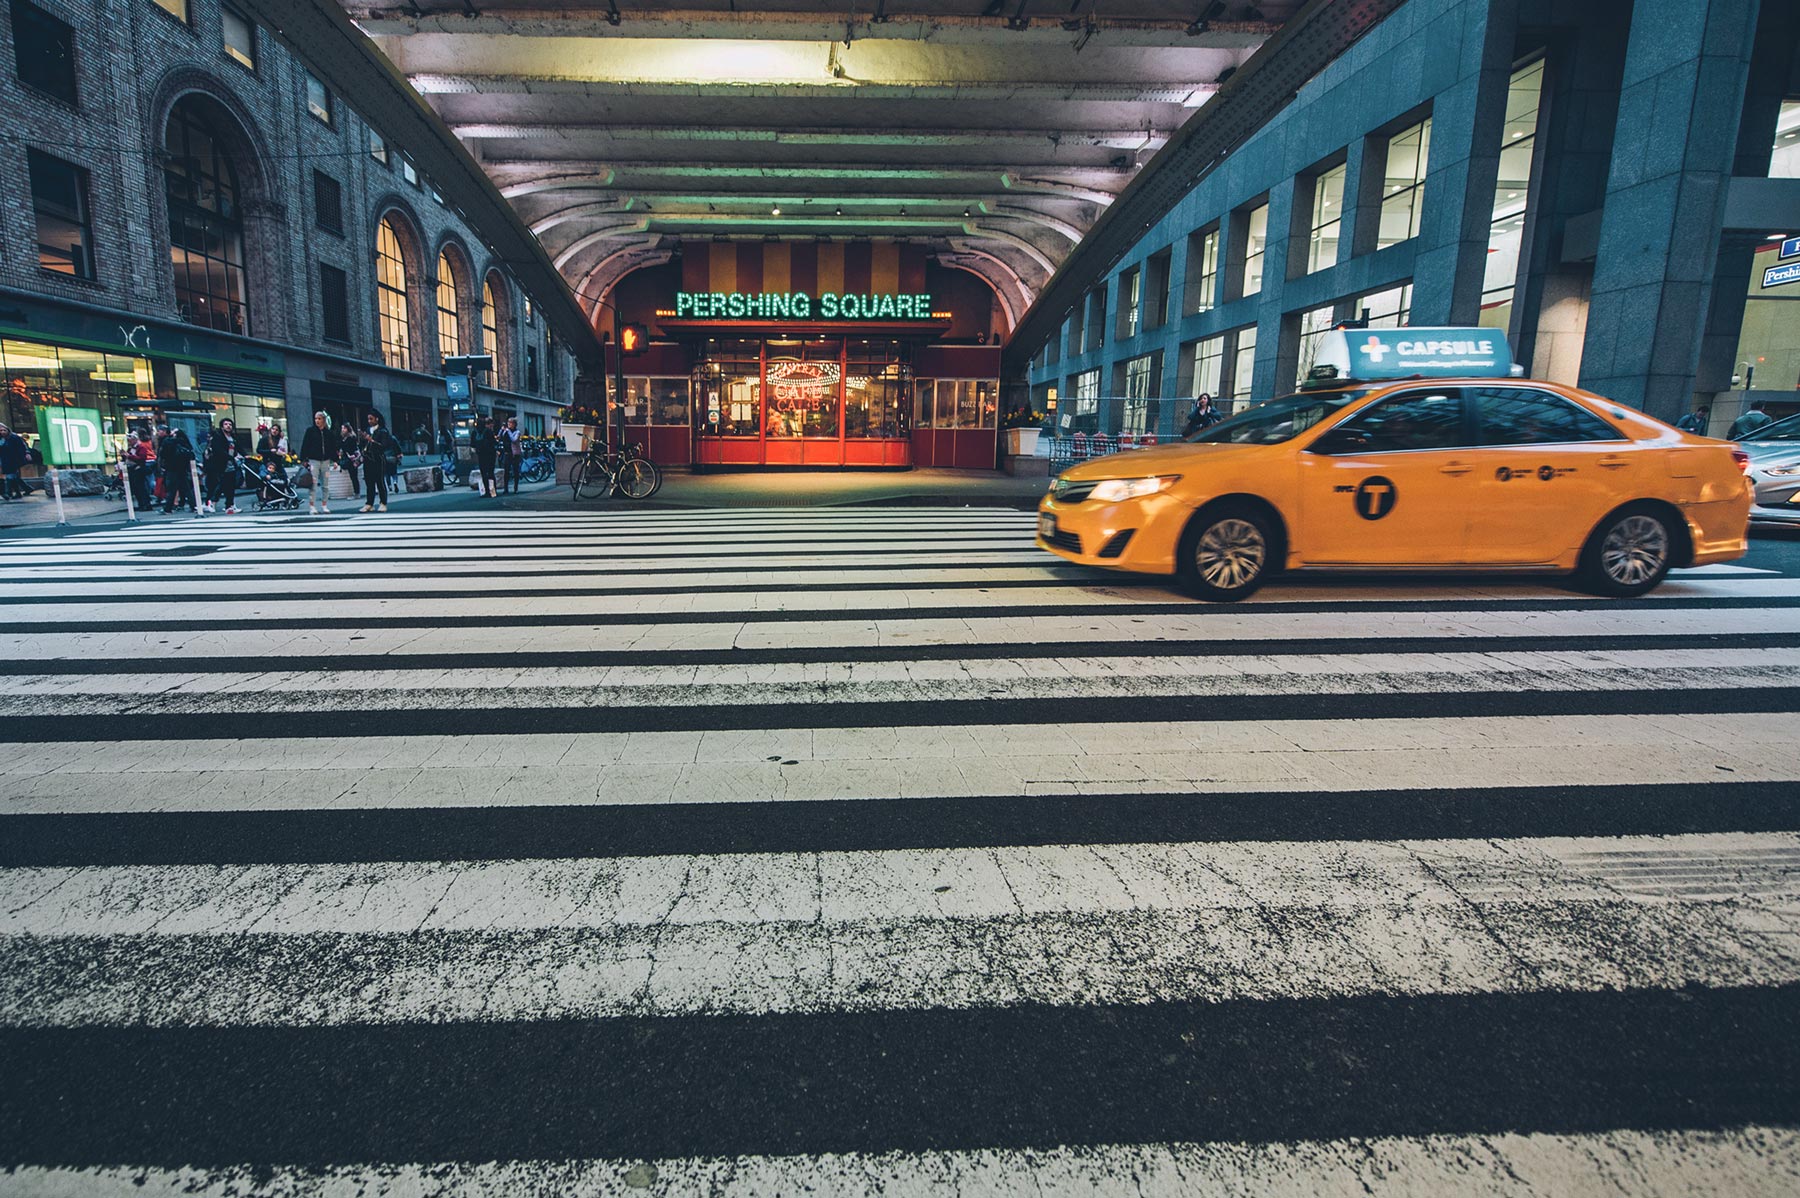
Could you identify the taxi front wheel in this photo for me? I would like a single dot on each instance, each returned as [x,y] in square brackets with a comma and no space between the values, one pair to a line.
[1629,554]
[1225,553]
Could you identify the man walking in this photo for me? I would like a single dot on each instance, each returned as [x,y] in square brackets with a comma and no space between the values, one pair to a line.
[12,463]
[513,446]
[1749,422]
[318,449]
[175,455]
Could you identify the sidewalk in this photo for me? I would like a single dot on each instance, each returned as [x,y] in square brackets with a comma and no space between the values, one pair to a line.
[835,488]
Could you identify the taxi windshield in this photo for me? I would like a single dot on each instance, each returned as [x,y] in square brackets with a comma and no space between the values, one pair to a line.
[1276,420]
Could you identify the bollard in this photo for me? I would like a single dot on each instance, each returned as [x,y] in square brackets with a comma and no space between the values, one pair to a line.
[56,489]
[130,503]
[199,504]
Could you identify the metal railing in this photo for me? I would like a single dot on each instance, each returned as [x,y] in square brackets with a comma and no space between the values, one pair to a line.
[1090,428]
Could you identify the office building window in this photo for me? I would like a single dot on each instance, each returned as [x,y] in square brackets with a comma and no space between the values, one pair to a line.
[175,8]
[1131,298]
[1156,289]
[490,320]
[1087,385]
[328,203]
[530,313]
[436,195]
[378,149]
[1403,185]
[1203,271]
[1095,337]
[318,100]
[59,199]
[408,171]
[1256,243]
[1209,366]
[1512,190]
[395,325]
[206,228]
[45,50]
[1141,385]
[334,304]
[240,36]
[449,323]
[1314,323]
[531,368]
[1327,220]
[1243,365]
[1388,309]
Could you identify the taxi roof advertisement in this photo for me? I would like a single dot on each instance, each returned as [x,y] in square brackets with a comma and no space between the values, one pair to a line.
[1409,352]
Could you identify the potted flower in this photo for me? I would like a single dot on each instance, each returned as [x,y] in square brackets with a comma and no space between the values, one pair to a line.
[1022,428]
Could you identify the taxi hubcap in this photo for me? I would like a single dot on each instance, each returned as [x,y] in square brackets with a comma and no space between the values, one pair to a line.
[1230,553]
[1634,550]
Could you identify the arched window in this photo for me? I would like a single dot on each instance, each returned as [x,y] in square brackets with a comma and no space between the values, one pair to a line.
[449,324]
[206,228]
[390,297]
[490,333]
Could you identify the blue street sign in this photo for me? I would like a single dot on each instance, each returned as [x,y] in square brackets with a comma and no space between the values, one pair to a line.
[1790,248]
[1787,272]
[456,386]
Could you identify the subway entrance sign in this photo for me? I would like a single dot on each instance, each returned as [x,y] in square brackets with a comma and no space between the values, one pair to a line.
[71,436]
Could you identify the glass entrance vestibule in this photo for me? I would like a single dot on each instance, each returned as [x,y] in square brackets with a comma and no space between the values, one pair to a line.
[803,401]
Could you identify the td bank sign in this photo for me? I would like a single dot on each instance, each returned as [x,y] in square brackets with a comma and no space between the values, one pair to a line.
[798,305]
[71,436]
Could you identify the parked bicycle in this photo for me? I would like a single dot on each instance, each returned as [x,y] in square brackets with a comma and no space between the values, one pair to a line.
[603,474]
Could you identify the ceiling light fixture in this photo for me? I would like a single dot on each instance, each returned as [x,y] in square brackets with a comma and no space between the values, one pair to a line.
[775,211]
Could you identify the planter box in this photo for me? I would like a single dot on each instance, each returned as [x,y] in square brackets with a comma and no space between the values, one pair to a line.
[424,478]
[1022,442]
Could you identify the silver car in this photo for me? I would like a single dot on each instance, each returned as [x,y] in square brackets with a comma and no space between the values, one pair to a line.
[1774,451]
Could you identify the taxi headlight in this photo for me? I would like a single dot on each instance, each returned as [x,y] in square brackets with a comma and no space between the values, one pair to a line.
[1784,471]
[1115,489]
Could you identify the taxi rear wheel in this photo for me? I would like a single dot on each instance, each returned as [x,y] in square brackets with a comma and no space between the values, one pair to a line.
[1630,553]
[1225,554]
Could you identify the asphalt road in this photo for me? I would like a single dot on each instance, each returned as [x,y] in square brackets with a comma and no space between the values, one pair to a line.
[466,850]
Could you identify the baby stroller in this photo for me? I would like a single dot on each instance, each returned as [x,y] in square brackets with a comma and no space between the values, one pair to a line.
[273,490]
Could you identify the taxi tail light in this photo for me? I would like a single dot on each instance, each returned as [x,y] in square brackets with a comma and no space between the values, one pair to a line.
[1742,459]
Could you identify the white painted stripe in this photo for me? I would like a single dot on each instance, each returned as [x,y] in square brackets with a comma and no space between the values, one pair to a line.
[1060,683]
[907,930]
[362,770]
[1221,624]
[1746,1162]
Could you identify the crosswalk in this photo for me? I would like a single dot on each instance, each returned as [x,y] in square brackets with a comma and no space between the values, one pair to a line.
[847,851]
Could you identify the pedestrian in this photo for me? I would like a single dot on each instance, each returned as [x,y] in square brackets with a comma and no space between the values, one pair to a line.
[220,465]
[318,449]
[12,464]
[485,445]
[1696,420]
[140,466]
[514,445]
[378,447]
[350,454]
[1202,416]
[421,440]
[445,445]
[1749,422]
[271,447]
[175,454]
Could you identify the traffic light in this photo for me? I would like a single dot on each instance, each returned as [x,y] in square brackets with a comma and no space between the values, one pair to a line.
[633,339]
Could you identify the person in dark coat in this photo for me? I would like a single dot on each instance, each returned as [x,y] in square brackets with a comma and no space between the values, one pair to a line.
[318,449]
[350,454]
[140,466]
[175,455]
[1203,415]
[220,464]
[378,448]
[486,446]
[12,462]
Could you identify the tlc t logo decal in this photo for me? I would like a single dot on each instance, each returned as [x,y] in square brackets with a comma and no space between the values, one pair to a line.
[1375,497]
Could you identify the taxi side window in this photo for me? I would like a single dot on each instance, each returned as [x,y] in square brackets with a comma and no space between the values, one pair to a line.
[1522,416]
[1413,420]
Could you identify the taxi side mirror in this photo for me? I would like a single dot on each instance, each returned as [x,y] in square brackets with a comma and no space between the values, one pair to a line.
[1342,440]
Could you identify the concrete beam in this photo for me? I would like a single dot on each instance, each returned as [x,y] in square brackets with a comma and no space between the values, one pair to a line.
[591,172]
[940,29]
[1119,139]
[431,83]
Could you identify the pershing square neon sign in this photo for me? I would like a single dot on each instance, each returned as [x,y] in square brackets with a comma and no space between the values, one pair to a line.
[798,305]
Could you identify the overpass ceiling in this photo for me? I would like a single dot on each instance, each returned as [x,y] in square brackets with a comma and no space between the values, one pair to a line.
[995,132]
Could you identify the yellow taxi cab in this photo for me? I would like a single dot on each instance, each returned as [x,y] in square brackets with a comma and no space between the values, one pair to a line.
[1414,449]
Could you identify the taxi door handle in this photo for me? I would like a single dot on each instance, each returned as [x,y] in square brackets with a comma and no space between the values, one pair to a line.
[1613,461]
[1454,468]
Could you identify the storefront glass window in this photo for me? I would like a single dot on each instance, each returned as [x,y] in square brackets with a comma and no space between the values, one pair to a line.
[1768,354]
[875,392]
[805,384]
[924,397]
[38,375]
[731,389]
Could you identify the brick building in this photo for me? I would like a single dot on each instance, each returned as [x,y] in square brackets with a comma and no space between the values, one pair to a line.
[190,219]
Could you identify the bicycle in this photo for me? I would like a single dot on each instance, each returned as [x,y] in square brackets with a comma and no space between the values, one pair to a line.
[603,474]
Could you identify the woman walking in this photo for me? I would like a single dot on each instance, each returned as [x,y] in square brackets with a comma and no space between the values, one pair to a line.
[350,454]
[221,466]
[486,446]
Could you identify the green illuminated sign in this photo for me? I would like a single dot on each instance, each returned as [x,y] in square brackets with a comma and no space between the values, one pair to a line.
[798,305]
[71,436]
